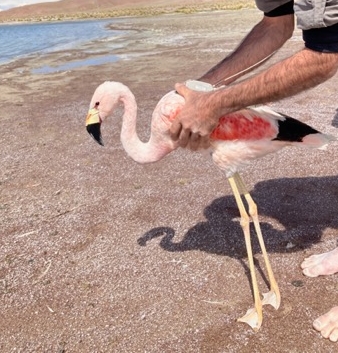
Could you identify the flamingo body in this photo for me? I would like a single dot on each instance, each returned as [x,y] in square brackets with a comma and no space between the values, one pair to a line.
[239,138]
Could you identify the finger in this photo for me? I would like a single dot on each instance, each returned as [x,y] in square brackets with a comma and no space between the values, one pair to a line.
[175,130]
[194,141]
[184,138]
[204,142]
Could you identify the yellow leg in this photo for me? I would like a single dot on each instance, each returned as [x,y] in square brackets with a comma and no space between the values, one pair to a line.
[254,316]
[273,296]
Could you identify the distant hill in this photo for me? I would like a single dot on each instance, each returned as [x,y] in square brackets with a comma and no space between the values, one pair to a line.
[65,9]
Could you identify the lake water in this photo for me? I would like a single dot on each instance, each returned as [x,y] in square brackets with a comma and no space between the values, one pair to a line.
[22,40]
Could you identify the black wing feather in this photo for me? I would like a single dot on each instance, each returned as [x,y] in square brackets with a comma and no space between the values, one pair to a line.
[293,130]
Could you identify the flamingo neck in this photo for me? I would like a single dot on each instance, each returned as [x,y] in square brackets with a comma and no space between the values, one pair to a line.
[141,152]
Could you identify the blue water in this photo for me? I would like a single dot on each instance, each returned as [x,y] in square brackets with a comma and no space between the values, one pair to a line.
[76,64]
[22,40]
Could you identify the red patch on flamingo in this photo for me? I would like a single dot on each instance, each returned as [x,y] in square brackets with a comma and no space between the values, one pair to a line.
[238,127]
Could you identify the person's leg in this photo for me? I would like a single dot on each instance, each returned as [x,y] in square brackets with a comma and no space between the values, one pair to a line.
[321,265]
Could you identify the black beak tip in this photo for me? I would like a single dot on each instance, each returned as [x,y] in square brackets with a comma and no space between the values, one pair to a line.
[95,132]
[100,142]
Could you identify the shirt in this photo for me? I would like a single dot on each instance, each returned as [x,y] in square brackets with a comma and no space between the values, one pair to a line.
[317,18]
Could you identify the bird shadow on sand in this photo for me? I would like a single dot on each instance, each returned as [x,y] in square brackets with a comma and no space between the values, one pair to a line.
[299,208]
[292,210]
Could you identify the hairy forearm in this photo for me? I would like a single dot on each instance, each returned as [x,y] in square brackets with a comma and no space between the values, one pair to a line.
[263,40]
[302,71]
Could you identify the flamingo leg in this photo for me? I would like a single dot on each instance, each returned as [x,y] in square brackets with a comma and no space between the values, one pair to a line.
[254,316]
[273,296]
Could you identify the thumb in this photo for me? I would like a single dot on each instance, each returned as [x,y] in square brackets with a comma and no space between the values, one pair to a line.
[181,89]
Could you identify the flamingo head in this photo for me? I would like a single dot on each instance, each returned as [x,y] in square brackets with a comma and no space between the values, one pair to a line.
[93,124]
[106,97]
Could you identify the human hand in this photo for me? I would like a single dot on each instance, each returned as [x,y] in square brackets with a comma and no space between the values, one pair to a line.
[198,117]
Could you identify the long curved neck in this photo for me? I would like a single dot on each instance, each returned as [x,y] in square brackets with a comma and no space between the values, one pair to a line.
[141,152]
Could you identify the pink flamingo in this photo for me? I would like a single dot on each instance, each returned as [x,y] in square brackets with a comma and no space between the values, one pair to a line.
[239,138]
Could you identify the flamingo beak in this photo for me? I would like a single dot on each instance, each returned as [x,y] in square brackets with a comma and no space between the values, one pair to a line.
[93,125]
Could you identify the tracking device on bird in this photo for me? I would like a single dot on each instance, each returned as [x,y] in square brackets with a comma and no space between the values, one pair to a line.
[199,86]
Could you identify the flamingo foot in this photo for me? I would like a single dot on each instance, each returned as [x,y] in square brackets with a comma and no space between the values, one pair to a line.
[272,298]
[253,318]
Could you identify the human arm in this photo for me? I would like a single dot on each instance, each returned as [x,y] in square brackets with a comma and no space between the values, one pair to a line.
[263,40]
[201,112]
[301,71]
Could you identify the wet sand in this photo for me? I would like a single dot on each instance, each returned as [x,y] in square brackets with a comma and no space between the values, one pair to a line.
[100,254]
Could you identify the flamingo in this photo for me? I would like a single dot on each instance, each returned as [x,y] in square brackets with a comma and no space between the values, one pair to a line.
[239,138]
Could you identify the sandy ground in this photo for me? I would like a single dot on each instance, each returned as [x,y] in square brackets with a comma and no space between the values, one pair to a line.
[100,254]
